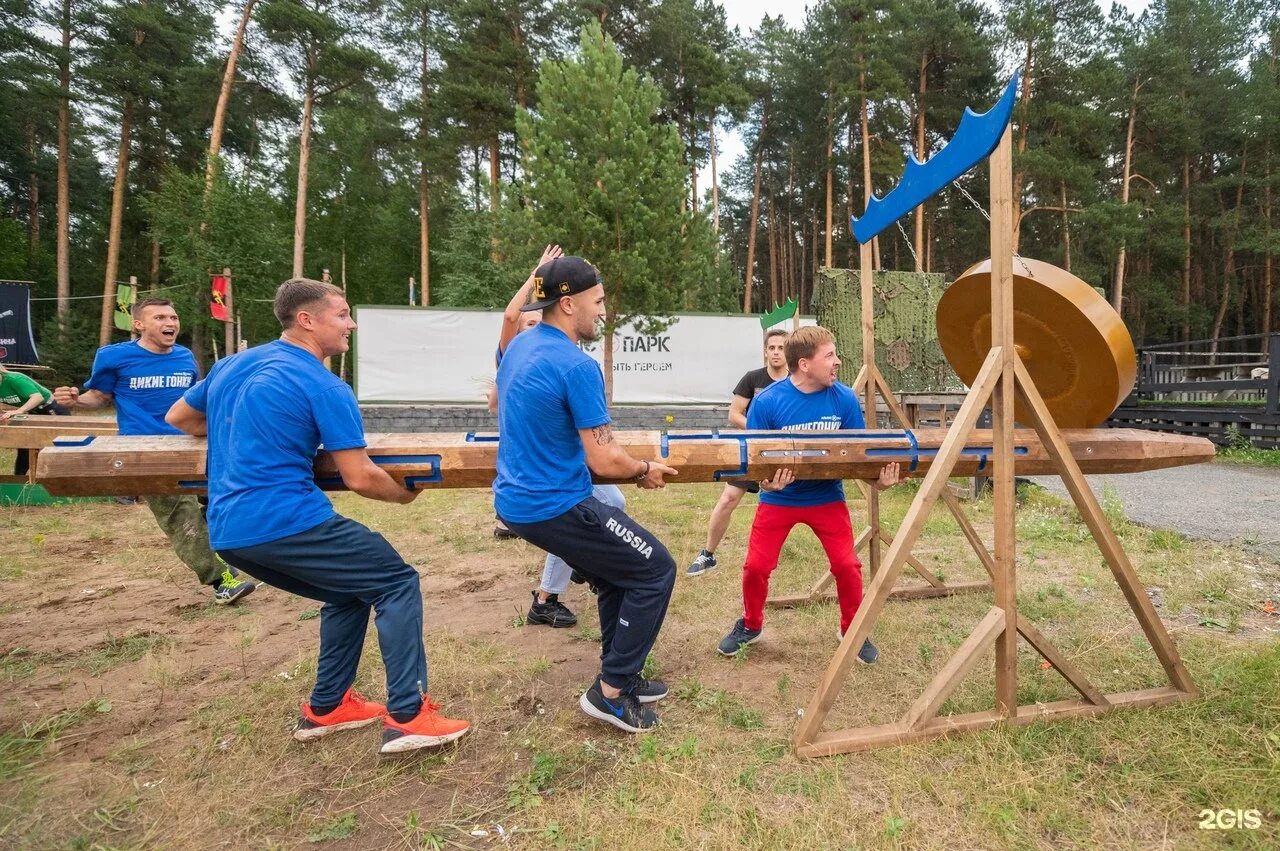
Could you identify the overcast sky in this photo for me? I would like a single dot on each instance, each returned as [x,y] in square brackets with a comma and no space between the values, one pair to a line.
[747,14]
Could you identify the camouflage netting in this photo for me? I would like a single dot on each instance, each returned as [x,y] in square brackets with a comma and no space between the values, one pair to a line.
[907,349]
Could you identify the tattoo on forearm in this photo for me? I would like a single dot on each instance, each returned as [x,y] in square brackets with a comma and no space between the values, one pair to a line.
[603,434]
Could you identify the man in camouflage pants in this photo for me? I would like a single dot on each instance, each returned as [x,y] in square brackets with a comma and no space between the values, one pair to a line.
[144,377]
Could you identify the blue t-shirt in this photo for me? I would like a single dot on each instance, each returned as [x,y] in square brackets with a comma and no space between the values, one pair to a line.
[783,406]
[269,409]
[145,385]
[548,388]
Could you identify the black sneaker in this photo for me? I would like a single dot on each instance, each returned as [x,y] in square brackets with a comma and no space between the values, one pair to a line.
[704,563]
[553,613]
[624,711]
[738,638]
[646,691]
[231,588]
[502,533]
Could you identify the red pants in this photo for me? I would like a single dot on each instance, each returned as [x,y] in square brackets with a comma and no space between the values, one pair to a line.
[830,522]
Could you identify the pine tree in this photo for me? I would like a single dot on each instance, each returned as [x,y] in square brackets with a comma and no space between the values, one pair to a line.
[605,180]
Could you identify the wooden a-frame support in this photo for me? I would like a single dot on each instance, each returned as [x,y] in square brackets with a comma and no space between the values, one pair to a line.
[869,383]
[1001,378]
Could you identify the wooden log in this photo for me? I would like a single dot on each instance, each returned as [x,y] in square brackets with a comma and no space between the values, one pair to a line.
[27,431]
[101,466]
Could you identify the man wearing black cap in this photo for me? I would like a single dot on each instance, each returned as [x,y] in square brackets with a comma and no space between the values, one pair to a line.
[556,432]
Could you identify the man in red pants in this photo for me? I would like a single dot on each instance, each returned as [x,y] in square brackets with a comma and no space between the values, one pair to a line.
[809,399]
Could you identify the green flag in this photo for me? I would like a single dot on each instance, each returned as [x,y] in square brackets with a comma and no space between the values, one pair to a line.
[780,313]
[125,297]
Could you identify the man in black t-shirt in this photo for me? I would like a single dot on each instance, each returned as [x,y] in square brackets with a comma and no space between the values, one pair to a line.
[752,383]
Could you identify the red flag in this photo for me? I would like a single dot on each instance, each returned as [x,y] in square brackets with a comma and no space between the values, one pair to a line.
[218,298]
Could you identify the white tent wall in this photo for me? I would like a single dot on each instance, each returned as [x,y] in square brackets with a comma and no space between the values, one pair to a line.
[412,355]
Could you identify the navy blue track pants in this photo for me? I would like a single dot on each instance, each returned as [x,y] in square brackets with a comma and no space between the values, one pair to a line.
[350,569]
[632,570]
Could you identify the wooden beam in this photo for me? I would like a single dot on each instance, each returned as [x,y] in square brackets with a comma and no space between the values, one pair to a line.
[955,670]
[1061,663]
[110,465]
[866,738]
[1002,405]
[970,534]
[1126,577]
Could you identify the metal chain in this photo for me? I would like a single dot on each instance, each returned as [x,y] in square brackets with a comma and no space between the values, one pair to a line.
[983,210]
[915,261]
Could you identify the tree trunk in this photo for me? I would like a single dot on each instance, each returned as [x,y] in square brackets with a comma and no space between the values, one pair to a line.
[1066,229]
[494,173]
[1229,258]
[773,253]
[920,155]
[113,230]
[693,166]
[715,189]
[848,198]
[1186,248]
[153,278]
[1117,292]
[33,203]
[300,203]
[424,206]
[1020,176]
[64,156]
[608,368]
[830,171]
[224,98]
[928,245]
[1267,258]
[866,160]
[789,247]
[755,212]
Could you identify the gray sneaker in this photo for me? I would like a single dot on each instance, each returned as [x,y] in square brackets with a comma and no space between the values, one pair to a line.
[738,638]
[868,654]
[704,563]
[231,588]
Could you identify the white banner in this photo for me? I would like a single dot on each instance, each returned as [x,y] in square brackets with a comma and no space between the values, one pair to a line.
[419,354]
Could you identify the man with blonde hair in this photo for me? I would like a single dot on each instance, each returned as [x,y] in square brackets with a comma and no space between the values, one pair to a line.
[265,412]
[809,399]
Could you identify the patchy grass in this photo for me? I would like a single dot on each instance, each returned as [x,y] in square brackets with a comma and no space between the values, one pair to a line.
[1250,455]
[107,742]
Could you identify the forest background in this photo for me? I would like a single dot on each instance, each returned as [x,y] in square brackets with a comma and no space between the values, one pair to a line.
[449,140]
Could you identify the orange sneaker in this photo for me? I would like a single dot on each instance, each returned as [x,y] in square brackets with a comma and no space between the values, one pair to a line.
[428,730]
[354,711]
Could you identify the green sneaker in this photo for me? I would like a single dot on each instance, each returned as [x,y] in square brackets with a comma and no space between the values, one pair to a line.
[231,588]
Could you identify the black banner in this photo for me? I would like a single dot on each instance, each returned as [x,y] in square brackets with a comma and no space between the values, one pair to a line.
[17,344]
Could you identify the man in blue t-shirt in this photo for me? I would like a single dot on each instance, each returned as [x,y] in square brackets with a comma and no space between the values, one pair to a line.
[556,432]
[546,608]
[266,411]
[809,399]
[144,377]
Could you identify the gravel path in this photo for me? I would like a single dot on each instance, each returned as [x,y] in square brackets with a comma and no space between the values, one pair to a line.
[1217,501]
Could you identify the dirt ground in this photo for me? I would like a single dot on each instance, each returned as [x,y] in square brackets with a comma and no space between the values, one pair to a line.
[158,698]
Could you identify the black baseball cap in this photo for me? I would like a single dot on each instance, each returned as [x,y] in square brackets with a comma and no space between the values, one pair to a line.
[561,277]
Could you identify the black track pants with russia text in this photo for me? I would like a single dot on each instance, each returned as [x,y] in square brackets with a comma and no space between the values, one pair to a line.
[631,568]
